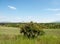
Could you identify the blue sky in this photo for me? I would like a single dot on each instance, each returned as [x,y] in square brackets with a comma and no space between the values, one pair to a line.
[29,10]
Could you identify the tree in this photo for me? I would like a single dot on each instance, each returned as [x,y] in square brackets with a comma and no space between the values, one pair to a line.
[31,30]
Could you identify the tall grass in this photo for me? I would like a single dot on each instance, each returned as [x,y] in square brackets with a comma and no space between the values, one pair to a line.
[18,39]
[12,36]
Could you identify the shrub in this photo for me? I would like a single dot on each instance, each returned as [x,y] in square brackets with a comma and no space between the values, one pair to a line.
[31,30]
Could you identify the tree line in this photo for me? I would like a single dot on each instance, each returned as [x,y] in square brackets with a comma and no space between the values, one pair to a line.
[41,25]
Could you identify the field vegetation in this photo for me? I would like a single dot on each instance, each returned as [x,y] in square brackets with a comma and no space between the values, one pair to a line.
[10,34]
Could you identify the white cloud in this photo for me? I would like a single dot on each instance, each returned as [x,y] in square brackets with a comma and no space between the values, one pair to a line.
[35,19]
[10,19]
[46,20]
[15,19]
[25,19]
[54,9]
[12,7]
[2,17]
[58,14]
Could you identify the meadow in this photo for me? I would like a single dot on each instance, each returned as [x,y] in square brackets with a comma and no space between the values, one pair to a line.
[11,35]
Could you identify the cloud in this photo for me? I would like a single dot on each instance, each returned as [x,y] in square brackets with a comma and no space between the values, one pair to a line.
[12,7]
[35,19]
[25,19]
[1,17]
[54,9]
[58,14]
[15,19]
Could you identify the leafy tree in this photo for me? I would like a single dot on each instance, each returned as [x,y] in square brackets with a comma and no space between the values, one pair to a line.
[31,30]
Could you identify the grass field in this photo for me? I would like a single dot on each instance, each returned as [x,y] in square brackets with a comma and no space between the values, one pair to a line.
[9,30]
[10,35]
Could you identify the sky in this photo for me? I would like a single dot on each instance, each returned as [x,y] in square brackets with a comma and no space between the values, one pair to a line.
[29,10]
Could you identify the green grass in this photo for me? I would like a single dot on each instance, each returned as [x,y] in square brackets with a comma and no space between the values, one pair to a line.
[9,30]
[9,35]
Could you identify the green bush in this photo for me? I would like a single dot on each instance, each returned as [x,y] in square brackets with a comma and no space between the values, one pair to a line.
[31,30]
